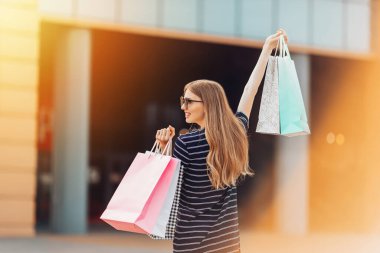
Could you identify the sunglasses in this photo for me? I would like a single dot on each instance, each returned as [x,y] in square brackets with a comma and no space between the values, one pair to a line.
[187,101]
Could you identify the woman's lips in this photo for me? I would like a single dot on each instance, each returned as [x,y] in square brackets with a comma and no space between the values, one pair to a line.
[187,114]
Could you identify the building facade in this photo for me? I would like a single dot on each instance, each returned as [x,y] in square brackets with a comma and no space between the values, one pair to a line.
[324,182]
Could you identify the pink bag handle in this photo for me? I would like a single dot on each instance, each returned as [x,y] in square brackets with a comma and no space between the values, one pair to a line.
[167,150]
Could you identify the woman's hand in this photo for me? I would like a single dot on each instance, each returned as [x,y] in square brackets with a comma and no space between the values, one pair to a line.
[272,40]
[164,135]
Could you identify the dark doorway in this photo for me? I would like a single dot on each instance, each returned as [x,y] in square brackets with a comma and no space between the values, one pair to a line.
[136,84]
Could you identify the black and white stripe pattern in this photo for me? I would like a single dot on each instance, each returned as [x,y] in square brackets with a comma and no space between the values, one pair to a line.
[207,219]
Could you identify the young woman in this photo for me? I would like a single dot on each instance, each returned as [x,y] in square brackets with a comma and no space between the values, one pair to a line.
[213,157]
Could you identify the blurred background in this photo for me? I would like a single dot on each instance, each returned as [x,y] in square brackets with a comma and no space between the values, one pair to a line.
[85,84]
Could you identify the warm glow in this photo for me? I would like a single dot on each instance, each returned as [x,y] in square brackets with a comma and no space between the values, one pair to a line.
[330,138]
[21,19]
[340,139]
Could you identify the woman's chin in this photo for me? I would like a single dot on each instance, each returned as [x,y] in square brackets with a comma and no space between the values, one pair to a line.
[188,120]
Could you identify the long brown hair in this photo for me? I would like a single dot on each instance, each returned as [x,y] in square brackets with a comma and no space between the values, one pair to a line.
[228,157]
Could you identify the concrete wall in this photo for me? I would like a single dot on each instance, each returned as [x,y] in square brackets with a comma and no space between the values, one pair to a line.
[345,144]
[344,160]
[19,29]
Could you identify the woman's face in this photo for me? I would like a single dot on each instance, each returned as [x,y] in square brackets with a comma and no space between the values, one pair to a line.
[194,113]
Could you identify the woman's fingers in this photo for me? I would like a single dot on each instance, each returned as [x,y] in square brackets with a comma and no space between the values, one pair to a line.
[283,32]
[160,134]
[164,134]
[273,39]
[171,131]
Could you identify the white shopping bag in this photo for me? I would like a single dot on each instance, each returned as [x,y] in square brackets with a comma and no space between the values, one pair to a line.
[269,114]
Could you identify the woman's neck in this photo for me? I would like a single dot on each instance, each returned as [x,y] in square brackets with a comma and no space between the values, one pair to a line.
[201,124]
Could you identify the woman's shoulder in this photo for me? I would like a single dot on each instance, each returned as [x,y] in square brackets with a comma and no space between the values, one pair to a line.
[192,135]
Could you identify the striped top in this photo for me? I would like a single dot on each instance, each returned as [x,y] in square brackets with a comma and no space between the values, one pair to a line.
[207,219]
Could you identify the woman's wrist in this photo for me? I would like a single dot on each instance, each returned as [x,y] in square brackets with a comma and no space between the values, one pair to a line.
[267,49]
[162,147]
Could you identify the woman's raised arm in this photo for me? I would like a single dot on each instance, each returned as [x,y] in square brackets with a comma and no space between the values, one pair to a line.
[250,89]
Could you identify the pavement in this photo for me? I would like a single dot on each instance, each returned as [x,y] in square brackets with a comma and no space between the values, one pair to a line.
[115,242]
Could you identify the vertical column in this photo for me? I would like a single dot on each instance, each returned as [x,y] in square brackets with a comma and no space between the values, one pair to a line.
[375,25]
[19,31]
[371,134]
[71,127]
[292,158]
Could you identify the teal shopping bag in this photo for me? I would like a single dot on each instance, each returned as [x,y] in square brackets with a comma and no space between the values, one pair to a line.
[293,119]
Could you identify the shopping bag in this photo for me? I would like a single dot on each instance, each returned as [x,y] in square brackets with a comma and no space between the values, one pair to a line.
[168,214]
[293,119]
[137,202]
[173,205]
[269,118]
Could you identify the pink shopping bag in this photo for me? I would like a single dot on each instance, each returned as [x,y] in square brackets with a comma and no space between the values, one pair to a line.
[136,203]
